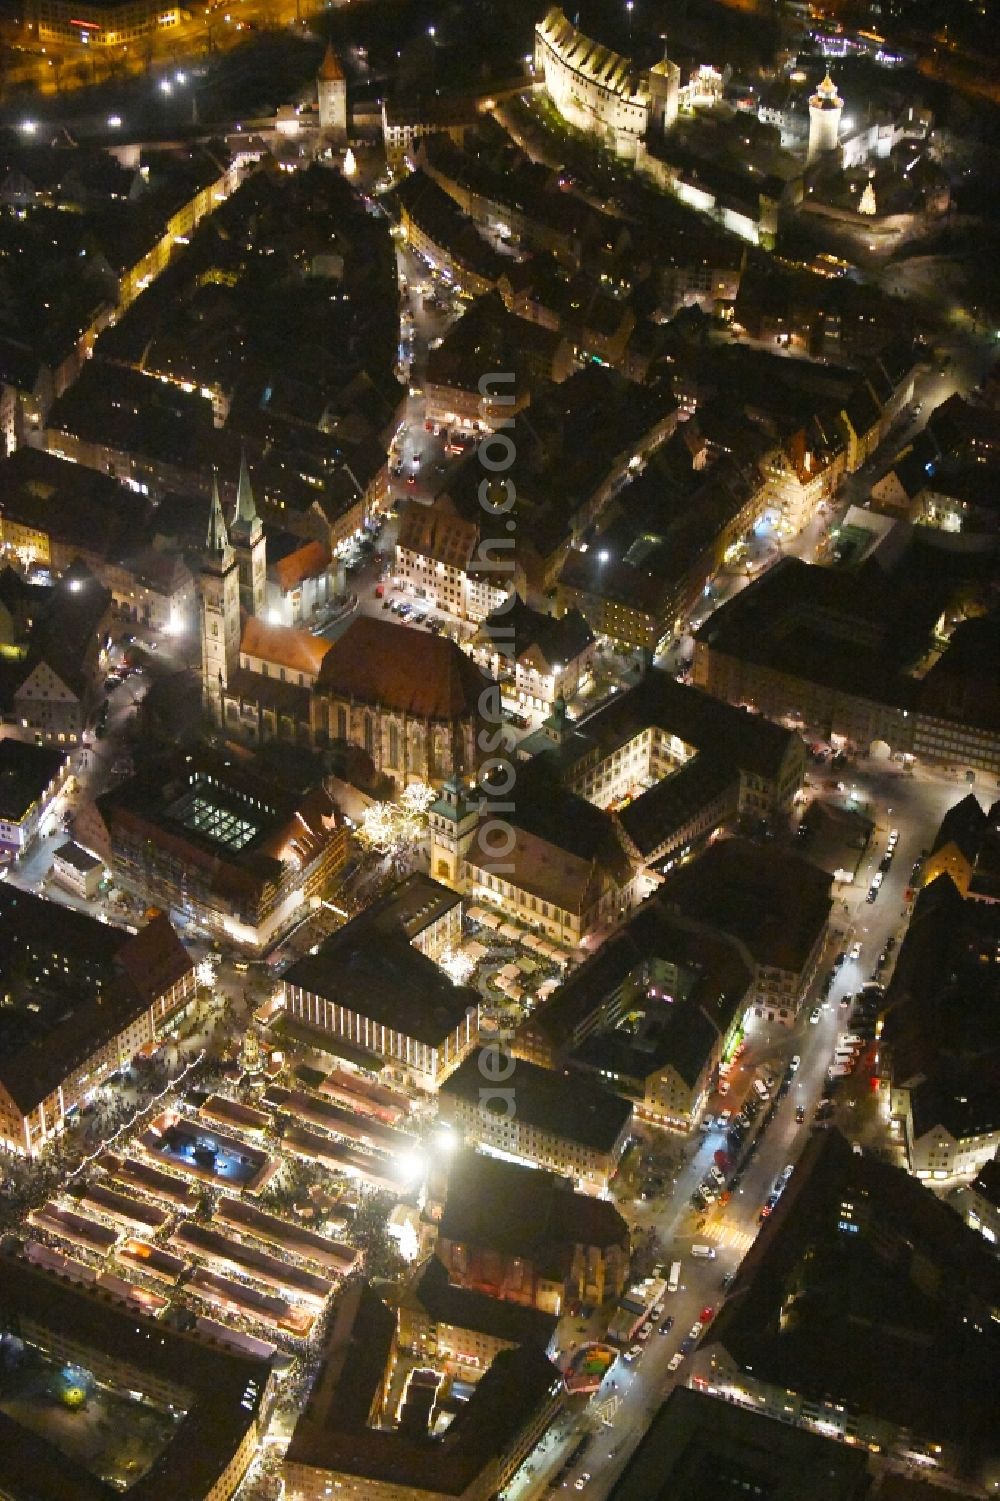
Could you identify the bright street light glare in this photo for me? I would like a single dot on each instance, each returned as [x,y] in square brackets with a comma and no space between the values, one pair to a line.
[114,121]
[166,86]
[29,127]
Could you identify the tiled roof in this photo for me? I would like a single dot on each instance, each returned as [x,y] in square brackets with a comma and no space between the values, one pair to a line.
[284,645]
[330,70]
[378,662]
[308,561]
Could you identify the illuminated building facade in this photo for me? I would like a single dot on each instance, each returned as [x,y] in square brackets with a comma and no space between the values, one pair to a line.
[101,24]
[220,846]
[80,1000]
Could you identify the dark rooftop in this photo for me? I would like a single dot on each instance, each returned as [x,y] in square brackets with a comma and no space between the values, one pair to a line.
[574,1109]
[76,983]
[464,1308]
[26,770]
[334,1432]
[701,1449]
[223,1391]
[773,902]
[523,1211]
[371,966]
[861,1282]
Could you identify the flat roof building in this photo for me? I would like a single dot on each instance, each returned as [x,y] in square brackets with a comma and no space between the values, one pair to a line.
[82,998]
[220,1399]
[774,903]
[375,985]
[30,778]
[700,1449]
[563,1122]
[346,1438]
[866,1310]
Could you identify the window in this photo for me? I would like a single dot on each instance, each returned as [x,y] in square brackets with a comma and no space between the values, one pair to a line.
[369,735]
[393,745]
[341,723]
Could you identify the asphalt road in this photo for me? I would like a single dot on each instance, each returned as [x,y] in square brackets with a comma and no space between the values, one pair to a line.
[913,805]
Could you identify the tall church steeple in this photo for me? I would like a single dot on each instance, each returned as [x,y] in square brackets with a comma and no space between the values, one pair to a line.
[219,592]
[331,96]
[249,544]
[217,540]
[246,508]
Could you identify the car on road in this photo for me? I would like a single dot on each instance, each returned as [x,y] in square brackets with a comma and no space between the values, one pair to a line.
[800,1114]
[668,1324]
[632,1354]
[581,1481]
[814,1016]
[686,1346]
[707,1314]
[796,1060]
[675,1362]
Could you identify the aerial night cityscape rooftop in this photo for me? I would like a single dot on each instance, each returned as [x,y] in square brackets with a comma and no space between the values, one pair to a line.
[499,750]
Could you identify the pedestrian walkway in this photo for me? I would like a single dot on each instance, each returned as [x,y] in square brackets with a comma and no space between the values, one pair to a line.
[730,1235]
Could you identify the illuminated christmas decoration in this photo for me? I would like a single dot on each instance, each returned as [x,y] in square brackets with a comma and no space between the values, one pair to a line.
[457,966]
[395,829]
[417,797]
[350,163]
[205,973]
[867,204]
[250,1055]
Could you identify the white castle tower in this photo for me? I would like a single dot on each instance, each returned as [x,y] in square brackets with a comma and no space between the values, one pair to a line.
[331,96]
[664,93]
[825,110]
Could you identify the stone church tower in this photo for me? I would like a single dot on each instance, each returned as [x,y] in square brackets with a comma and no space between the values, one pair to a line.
[219,591]
[331,93]
[249,545]
[453,821]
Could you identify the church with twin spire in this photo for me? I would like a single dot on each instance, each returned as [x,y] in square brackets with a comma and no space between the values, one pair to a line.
[408,699]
